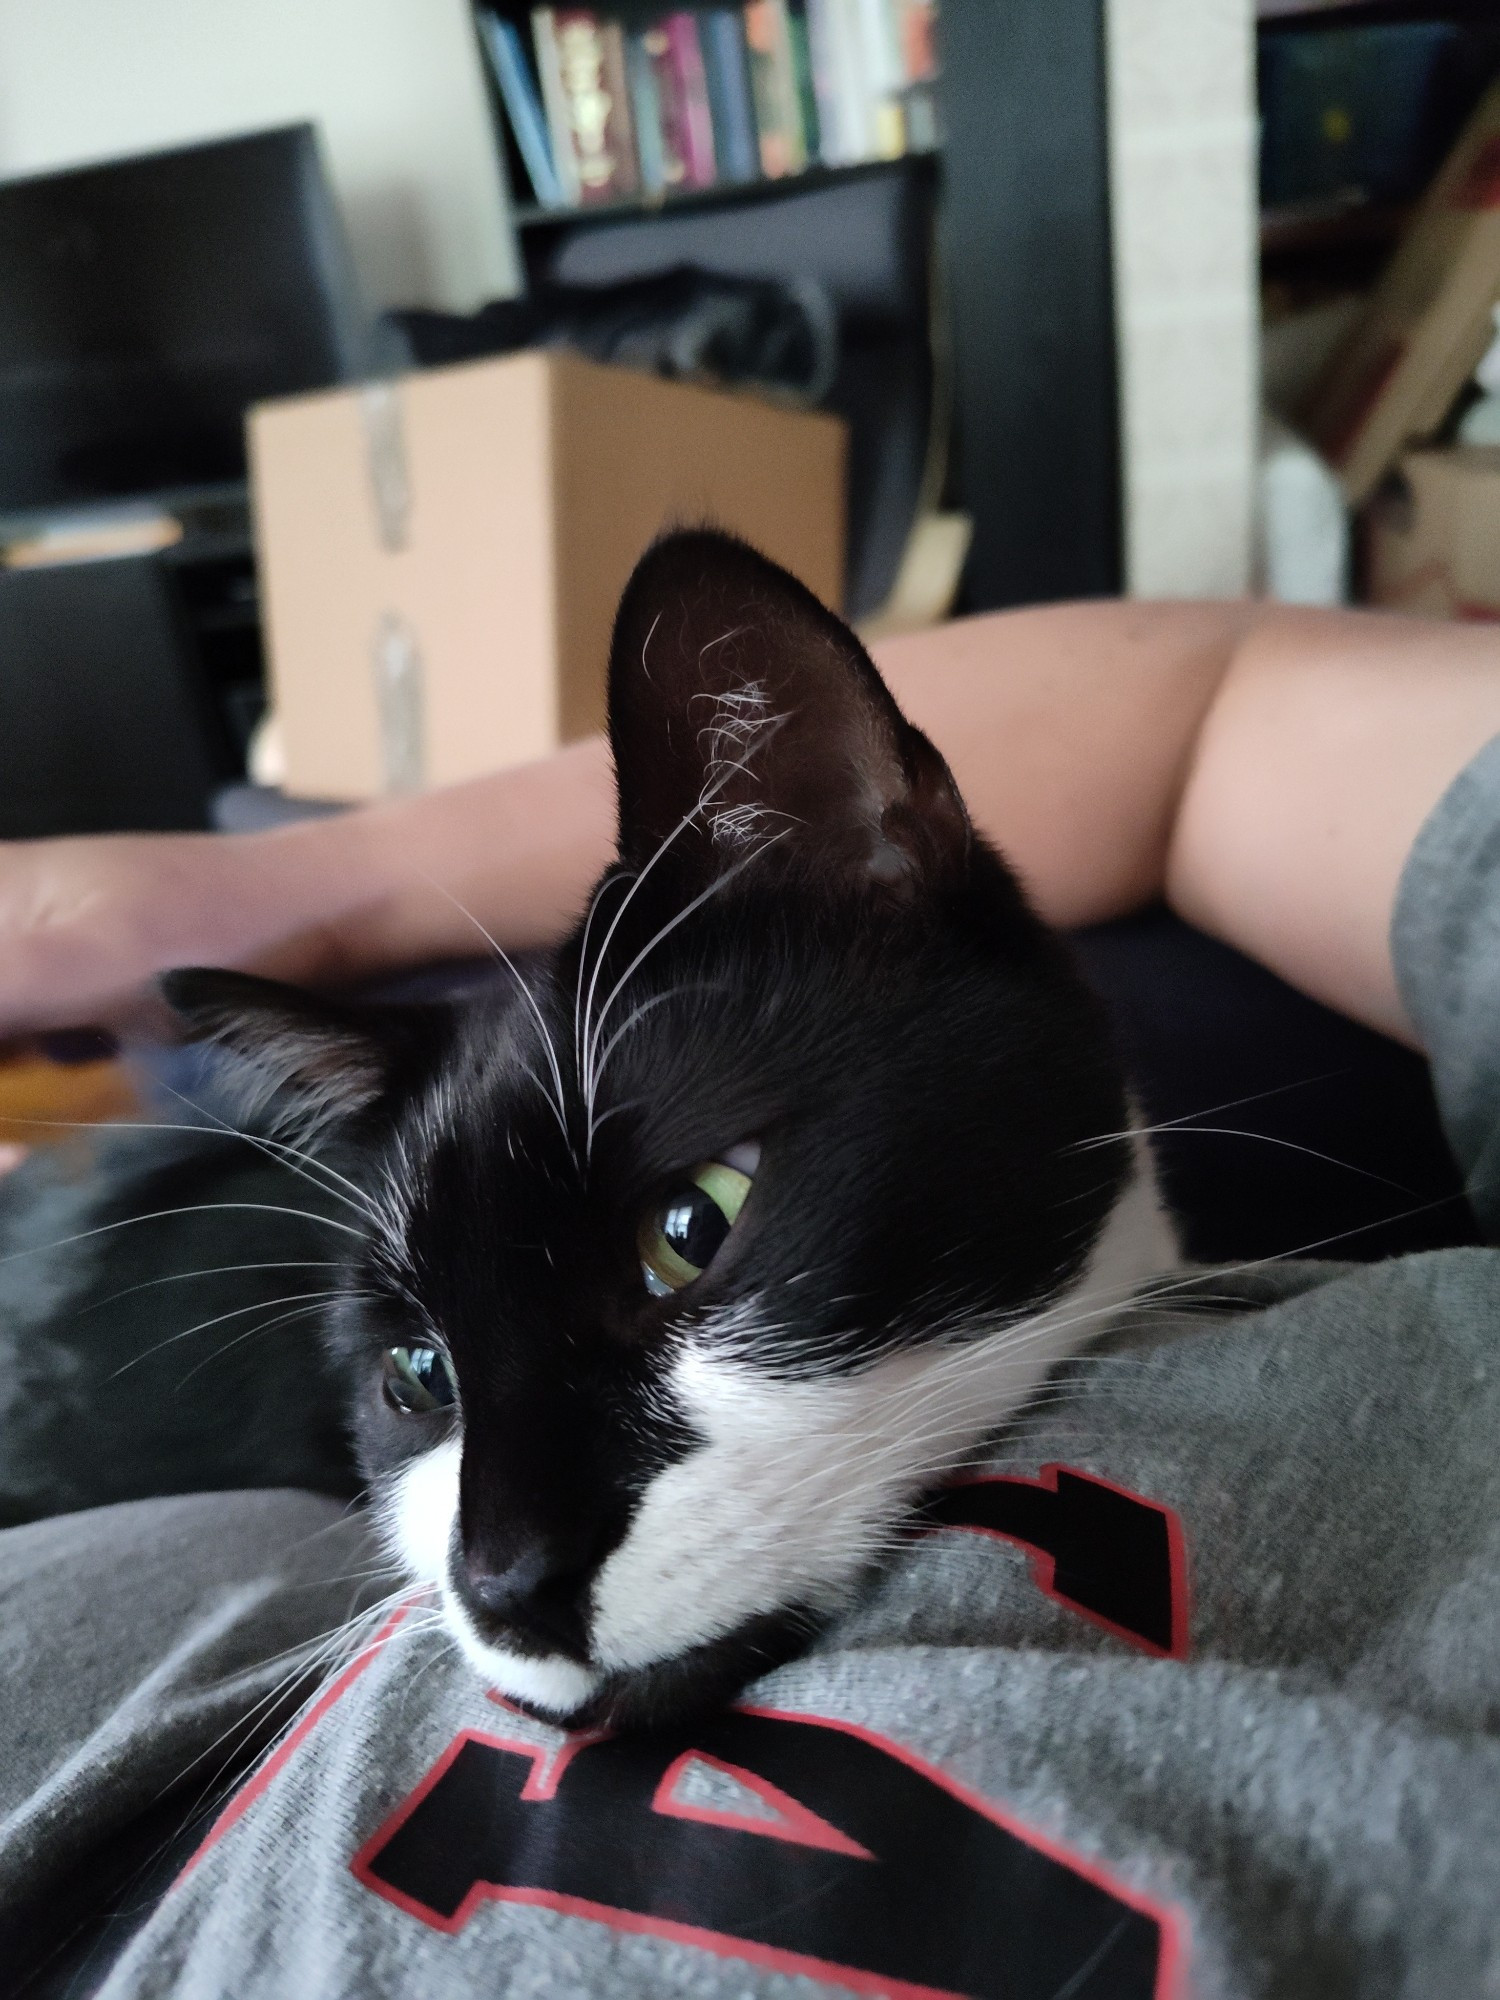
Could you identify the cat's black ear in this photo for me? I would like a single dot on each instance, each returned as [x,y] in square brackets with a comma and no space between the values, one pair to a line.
[742,714]
[320,1062]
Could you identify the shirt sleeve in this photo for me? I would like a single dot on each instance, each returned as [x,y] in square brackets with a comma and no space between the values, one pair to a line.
[1445,945]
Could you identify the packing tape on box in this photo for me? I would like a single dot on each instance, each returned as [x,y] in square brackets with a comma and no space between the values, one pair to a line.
[385,455]
[397,658]
[399,704]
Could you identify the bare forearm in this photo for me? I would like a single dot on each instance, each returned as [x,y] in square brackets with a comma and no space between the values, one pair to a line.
[85,923]
[1266,769]
[1329,741]
[419,879]
[1070,731]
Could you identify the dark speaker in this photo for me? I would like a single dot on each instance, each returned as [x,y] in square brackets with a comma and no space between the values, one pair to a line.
[103,727]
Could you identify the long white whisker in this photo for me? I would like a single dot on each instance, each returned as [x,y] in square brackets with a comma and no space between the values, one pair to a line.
[1207,1111]
[1179,1129]
[194,1208]
[215,1271]
[220,1127]
[237,1312]
[250,1333]
[591,1039]
[559,1103]
[694,986]
[354,1198]
[583,958]
[719,882]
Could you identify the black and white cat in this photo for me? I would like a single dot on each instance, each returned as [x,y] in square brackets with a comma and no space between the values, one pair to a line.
[697,1255]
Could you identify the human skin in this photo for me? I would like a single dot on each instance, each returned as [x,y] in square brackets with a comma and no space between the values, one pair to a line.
[1264,769]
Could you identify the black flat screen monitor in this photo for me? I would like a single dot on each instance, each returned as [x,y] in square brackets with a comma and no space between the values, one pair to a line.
[145,303]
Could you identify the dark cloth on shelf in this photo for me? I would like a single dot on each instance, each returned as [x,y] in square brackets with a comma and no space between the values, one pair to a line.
[688,324]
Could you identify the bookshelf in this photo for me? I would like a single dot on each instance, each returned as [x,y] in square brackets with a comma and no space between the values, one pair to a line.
[1020,199]
[530,215]
[1400,102]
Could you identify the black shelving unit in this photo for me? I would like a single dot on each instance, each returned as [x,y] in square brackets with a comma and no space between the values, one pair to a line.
[1026,290]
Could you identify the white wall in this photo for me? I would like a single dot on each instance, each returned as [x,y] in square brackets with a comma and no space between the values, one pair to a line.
[393,86]
[1185,221]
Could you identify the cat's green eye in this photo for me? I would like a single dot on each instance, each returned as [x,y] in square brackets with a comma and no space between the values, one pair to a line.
[682,1234]
[417,1380]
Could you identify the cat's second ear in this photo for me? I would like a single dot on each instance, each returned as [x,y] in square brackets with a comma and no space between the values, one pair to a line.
[314,1061]
[744,715]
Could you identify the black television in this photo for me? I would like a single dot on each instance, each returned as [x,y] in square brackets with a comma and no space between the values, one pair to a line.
[146,302]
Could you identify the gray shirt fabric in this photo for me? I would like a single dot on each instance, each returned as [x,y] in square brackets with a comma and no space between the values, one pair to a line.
[1197,1692]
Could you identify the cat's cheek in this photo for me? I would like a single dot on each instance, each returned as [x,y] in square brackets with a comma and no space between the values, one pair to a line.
[420,1511]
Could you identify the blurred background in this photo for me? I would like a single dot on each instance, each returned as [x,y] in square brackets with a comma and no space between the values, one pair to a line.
[351,351]
[1155,296]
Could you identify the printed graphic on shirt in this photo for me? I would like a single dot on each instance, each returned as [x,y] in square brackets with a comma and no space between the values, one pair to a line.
[1112,1555]
[822,1849]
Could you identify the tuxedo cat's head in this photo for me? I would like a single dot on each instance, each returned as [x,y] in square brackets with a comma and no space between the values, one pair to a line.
[700,1251]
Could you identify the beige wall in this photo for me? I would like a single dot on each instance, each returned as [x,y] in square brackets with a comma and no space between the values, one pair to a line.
[1185,220]
[393,86]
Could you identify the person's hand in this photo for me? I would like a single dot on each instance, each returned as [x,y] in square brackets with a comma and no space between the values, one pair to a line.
[85,923]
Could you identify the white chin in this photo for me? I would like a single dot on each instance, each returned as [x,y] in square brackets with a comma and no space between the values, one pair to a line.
[554,1684]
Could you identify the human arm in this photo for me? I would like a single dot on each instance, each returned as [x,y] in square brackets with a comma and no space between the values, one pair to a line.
[1115,751]
[1264,769]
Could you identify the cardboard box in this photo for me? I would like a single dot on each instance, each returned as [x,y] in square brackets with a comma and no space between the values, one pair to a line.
[441,556]
[1433,535]
[1428,323]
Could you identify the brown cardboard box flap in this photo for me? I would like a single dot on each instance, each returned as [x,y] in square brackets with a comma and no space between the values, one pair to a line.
[441,556]
[1428,323]
[1433,535]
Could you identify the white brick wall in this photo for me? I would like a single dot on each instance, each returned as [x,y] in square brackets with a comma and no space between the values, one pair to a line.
[1184,217]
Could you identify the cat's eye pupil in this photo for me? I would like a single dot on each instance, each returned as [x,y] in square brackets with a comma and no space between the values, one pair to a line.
[417,1379]
[680,1238]
[694,1225]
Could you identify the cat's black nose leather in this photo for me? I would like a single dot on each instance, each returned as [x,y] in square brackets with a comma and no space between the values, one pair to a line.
[538,1591]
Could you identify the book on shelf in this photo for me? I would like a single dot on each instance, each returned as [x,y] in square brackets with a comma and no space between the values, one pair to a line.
[807,96]
[523,106]
[726,60]
[604,108]
[773,80]
[683,94]
[582,63]
[645,111]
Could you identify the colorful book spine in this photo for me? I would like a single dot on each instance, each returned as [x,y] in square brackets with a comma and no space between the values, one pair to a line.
[726,63]
[800,37]
[596,132]
[671,116]
[617,82]
[773,78]
[835,145]
[645,112]
[884,76]
[523,105]
[916,22]
[855,99]
[549,69]
[696,125]
[720,95]
[916,30]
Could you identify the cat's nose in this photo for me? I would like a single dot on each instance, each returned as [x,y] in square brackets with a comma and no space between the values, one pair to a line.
[537,1589]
